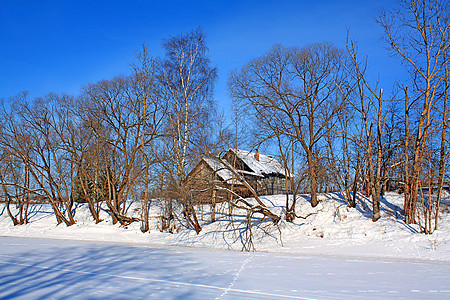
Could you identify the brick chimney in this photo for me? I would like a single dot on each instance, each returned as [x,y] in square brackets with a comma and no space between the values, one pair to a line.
[257,154]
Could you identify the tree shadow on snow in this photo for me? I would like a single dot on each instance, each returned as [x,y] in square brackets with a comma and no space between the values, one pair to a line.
[390,209]
[94,270]
[363,205]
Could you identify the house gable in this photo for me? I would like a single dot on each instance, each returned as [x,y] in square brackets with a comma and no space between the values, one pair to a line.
[264,166]
[211,178]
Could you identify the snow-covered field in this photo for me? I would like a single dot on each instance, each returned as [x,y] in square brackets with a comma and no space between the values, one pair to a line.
[331,229]
[62,269]
[336,252]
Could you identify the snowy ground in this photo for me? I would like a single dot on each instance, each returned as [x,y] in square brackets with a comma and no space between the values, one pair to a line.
[335,252]
[330,229]
[45,269]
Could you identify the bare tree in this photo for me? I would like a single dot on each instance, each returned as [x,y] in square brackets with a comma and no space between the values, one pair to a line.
[33,136]
[443,153]
[150,110]
[116,120]
[299,89]
[14,174]
[188,81]
[339,142]
[370,105]
[418,33]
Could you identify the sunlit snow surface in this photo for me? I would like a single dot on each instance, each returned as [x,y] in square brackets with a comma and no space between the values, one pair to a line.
[45,269]
[328,252]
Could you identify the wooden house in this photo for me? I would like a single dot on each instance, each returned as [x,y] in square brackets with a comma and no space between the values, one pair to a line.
[211,179]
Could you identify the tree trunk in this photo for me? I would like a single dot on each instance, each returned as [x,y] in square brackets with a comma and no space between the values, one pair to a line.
[213,206]
[145,222]
[376,194]
[190,212]
[443,154]
[312,179]
[407,208]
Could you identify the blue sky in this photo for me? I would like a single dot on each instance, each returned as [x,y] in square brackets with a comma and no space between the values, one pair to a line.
[61,45]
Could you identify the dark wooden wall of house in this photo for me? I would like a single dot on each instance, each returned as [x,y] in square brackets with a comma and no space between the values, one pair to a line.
[203,183]
[271,185]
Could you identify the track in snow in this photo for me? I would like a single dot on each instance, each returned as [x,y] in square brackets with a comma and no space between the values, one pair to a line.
[42,268]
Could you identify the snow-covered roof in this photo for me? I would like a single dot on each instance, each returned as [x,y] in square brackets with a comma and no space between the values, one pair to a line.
[221,170]
[267,165]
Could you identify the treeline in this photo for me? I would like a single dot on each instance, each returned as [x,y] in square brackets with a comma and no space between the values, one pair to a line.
[132,137]
[138,136]
[317,106]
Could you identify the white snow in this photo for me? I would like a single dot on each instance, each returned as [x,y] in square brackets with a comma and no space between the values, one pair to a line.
[265,166]
[335,252]
[222,170]
[57,269]
[331,228]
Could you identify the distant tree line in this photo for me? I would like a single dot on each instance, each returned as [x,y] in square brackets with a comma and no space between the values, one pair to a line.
[136,137]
